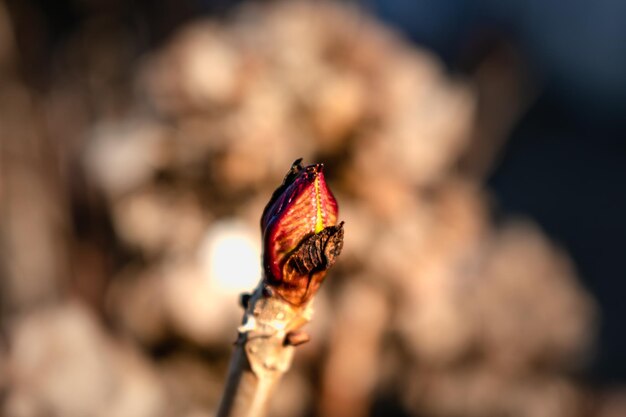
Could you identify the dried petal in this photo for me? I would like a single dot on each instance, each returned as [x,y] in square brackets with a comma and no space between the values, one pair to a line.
[306,267]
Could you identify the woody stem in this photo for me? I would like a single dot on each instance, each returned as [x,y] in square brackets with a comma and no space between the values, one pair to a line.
[261,355]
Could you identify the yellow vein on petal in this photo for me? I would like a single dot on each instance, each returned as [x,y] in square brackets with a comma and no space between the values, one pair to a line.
[319,220]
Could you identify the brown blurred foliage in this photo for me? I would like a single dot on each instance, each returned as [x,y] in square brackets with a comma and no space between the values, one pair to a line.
[124,182]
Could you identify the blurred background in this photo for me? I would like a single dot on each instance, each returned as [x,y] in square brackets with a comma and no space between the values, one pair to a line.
[476,149]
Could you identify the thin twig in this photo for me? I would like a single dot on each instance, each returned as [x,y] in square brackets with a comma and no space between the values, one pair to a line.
[263,353]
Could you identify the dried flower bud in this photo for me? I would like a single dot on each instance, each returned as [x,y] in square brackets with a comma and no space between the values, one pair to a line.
[300,237]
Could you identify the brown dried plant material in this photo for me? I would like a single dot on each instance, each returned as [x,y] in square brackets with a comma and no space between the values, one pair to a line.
[500,336]
[353,367]
[7,41]
[33,214]
[541,316]
[612,403]
[156,220]
[63,363]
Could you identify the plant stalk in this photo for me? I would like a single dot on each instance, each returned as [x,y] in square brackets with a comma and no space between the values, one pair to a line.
[263,352]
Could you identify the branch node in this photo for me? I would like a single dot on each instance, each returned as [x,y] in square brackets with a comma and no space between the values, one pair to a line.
[244,299]
[268,292]
[296,337]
